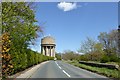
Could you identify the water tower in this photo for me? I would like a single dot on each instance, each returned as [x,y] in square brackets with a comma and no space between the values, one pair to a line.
[48,46]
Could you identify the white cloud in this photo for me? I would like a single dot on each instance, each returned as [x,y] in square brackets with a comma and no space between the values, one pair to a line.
[66,6]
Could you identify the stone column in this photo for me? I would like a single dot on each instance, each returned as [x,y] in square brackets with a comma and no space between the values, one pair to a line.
[53,51]
[50,51]
[43,52]
[45,49]
[41,49]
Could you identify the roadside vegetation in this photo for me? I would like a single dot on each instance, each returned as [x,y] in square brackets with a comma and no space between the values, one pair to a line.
[19,31]
[103,50]
[58,56]
[111,73]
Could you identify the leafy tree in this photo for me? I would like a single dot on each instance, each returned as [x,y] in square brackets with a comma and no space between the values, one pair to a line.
[19,30]
[98,47]
[93,49]
[98,52]
[18,21]
[104,51]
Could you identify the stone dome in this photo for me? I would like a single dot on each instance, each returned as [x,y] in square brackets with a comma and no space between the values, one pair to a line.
[48,40]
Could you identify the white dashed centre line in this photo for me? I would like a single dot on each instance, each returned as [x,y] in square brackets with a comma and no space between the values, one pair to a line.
[66,73]
[63,70]
[59,67]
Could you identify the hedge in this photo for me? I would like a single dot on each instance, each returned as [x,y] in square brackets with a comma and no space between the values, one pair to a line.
[23,59]
[30,59]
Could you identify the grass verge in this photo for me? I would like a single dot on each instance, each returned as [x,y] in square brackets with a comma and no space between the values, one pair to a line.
[111,73]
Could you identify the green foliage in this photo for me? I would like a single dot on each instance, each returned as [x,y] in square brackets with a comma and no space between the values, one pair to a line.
[105,59]
[84,57]
[24,60]
[106,50]
[18,21]
[98,48]
[68,55]
[112,73]
[58,56]
[94,56]
[110,58]
[114,58]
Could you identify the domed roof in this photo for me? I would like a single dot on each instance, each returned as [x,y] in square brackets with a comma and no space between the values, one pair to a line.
[48,40]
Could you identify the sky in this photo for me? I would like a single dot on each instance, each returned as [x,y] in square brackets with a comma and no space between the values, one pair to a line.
[71,23]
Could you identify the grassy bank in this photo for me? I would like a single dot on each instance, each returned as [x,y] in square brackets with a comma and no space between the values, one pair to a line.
[112,73]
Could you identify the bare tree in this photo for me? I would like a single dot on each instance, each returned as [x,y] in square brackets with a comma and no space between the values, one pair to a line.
[87,46]
[109,41]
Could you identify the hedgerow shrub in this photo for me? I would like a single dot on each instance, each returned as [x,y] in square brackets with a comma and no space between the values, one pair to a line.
[109,58]
[105,59]
[22,60]
[114,58]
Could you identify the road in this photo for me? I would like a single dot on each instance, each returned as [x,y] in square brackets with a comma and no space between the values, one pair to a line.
[59,69]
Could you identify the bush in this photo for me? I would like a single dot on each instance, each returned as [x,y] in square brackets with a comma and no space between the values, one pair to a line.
[105,59]
[114,58]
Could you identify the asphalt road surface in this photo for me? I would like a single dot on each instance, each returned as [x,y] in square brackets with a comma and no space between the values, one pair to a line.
[59,69]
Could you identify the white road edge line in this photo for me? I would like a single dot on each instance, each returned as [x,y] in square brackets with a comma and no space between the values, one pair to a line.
[66,73]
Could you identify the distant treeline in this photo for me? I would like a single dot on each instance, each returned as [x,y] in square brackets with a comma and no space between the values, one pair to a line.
[105,49]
